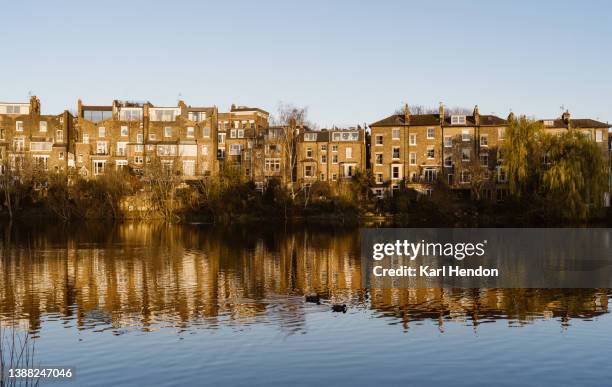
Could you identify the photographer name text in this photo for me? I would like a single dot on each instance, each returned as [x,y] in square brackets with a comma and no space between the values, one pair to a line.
[427,271]
[413,250]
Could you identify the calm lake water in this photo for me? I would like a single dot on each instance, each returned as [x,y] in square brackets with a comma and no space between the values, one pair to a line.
[147,304]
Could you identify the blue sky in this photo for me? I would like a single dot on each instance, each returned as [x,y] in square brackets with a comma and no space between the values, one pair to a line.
[349,62]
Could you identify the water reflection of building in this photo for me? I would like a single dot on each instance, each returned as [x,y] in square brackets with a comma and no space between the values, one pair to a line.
[147,276]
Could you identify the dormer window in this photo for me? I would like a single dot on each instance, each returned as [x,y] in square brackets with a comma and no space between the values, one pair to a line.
[310,137]
[345,136]
[164,114]
[14,109]
[196,116]
[130,114]
[457,120]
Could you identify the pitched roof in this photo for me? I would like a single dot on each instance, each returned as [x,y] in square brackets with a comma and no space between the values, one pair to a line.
[577,123]
[393,120]
[434,119]
[322,135]
[588,123]
[487,119]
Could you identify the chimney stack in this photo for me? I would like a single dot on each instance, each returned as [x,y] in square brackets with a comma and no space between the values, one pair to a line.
[406,115]
[566,118]
[115,109]
[476,115]
[182,106]
[34,105]
[441,113]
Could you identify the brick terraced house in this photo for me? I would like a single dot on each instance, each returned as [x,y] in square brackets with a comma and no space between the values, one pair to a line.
[421,148]
[461,149]
[238,131]
[130,135]
[26,135]
[332,155]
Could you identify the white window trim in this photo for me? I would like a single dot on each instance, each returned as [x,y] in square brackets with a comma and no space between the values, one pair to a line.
[399,154]
[412,160]
[393,131]
[434,133]
[376,158]
[431,148]
[450,143]
[399,171]
[486,136]
[376,140]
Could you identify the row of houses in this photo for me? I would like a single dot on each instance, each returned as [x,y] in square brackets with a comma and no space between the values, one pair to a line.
[196,142]
[460,147]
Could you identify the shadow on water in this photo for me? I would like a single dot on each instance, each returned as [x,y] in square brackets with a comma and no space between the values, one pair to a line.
[147,276]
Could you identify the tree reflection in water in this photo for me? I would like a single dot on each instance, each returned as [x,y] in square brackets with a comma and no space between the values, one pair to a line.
[147,276]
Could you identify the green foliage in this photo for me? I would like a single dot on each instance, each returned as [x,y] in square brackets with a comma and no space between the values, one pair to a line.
[361,185]
[521,154]
[576,175]
[567,173]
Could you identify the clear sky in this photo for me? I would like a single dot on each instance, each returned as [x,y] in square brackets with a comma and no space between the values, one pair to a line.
[349,62]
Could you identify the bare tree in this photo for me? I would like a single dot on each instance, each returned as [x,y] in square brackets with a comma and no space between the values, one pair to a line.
[163,181]
[7,185]
[474,173]
[423,109]
[479,177]
[292,119]
[19,177]
[458,110]
[417,109]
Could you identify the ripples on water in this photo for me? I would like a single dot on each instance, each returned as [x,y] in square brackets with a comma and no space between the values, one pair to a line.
[244,289]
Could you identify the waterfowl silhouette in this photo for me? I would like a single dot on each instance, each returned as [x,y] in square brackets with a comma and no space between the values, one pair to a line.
[339,308]
[314,298]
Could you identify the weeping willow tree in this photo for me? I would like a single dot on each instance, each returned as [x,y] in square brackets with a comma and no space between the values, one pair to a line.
[521,152]
[567,172]
[576,175]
